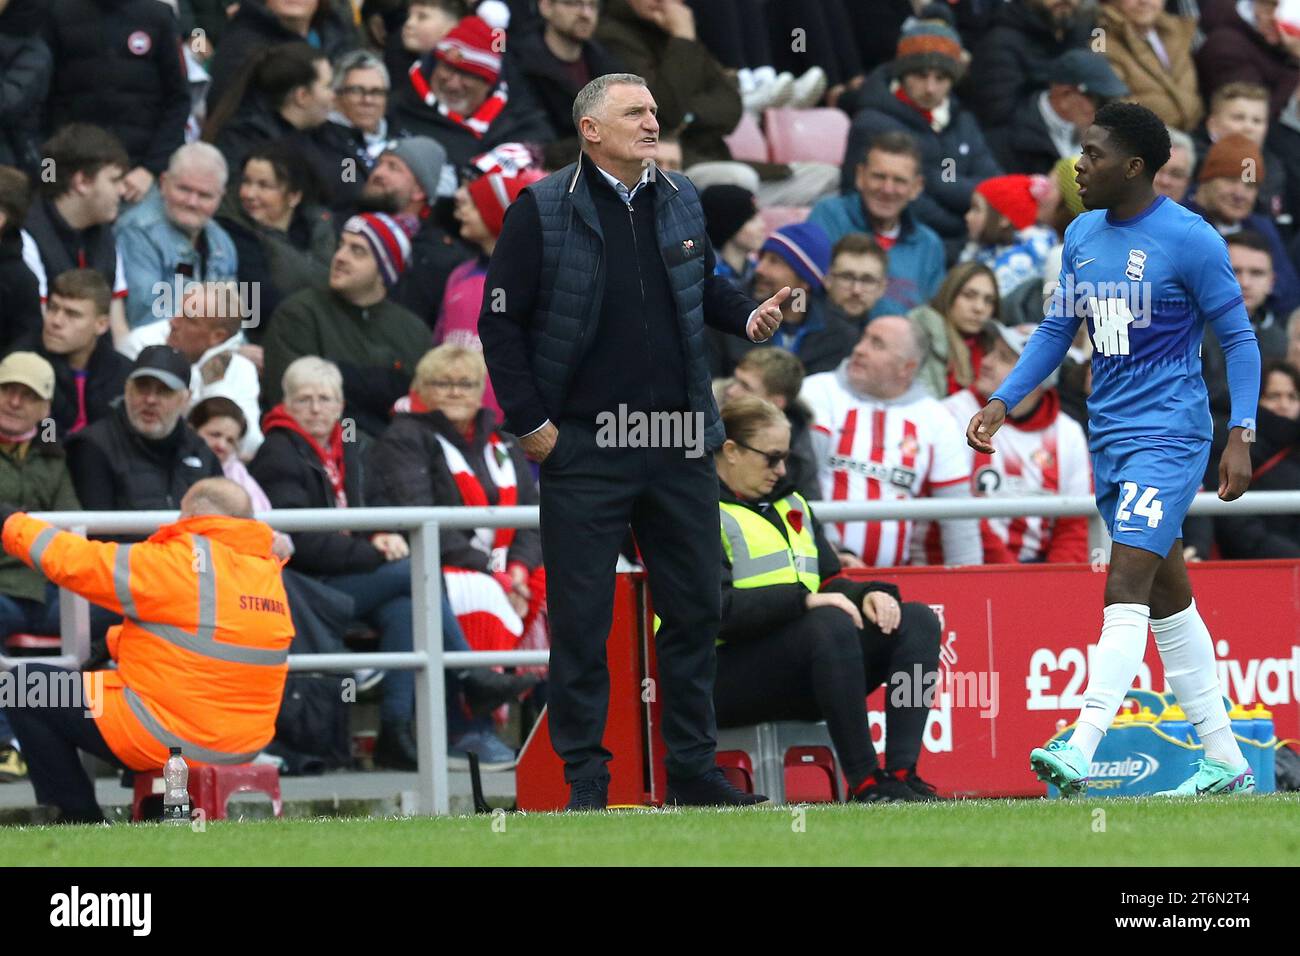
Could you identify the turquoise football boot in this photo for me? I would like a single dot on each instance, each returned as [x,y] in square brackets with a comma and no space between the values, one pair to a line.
[1213,777]
[1062,765]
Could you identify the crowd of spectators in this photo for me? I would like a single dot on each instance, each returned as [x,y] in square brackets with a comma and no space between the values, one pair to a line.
[265,214]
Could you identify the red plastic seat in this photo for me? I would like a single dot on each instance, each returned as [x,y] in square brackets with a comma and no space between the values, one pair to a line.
[212,786]
[774,217]
[810,775]
[33,642]
[746,141]
[738,769]
[814,136]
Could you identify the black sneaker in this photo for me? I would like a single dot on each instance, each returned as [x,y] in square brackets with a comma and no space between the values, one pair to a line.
[395,748]
[590,793]
[486,690]
[882,788]
[710,789]
[922,788]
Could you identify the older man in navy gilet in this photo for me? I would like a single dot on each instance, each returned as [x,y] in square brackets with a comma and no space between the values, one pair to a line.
[593,328]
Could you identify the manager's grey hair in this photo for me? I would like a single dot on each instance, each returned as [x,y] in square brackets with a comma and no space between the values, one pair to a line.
[590,100]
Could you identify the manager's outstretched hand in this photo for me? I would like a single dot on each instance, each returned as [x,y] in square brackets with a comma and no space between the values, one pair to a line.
[768,317]
[984,425]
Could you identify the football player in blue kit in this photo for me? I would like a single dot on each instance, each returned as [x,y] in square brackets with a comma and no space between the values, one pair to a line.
[1146,274]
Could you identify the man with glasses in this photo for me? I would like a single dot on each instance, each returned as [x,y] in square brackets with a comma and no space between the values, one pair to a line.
[560,59]
[357,132]
[856,280]
[351,322]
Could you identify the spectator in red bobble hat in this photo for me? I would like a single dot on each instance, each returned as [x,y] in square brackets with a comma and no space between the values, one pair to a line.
[1003,230]
[455,96]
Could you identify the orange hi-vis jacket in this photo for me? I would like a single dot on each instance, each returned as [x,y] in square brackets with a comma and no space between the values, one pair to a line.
[203,651]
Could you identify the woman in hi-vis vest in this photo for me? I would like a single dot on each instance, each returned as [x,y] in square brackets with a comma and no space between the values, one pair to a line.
[797,641]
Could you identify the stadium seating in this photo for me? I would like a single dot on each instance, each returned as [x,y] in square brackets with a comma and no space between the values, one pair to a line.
[746,141]
[25,644]
[813,136]
[774,217]
[792,761]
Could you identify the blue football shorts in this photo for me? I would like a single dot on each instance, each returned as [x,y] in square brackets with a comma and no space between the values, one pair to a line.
[1145,486]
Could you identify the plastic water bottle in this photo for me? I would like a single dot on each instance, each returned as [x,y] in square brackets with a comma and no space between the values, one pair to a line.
[1175,724]
[1242,722]
[176,789]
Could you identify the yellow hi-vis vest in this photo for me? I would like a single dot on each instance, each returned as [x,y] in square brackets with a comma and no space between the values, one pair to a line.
[760,556]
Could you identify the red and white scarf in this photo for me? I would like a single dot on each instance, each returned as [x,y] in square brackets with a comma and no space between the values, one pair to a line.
[495,542]
[482,118]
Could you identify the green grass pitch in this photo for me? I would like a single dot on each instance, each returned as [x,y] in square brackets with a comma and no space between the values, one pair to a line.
[1225,831]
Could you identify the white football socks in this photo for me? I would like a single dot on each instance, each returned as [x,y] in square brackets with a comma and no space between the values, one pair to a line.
[1111,671]
[1187,653]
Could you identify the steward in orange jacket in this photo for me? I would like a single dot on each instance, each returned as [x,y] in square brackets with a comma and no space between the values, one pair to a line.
[202,652]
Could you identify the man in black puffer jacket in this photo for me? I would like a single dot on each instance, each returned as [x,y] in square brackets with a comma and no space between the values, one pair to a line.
[26,65]
[117,64]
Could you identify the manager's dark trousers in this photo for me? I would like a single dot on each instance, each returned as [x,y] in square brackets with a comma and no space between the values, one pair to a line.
[589,496]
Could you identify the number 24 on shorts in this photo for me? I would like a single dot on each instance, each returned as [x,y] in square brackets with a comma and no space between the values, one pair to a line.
[1148,506]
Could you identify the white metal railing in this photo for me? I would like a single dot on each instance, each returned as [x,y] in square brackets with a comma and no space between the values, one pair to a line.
[427,657]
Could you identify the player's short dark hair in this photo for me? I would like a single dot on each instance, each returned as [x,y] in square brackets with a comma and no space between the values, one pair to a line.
[1278,365]
[1137,130]
[1251,240]
[79,148]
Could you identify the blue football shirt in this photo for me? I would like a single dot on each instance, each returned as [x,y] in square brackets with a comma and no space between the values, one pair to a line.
[1145,286]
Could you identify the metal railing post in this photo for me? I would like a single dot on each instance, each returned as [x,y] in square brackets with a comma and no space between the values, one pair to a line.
[430,680]
[74,620]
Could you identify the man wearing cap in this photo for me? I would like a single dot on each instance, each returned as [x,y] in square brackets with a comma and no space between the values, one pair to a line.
[597,297]
[375,343]
[143,456]
[1226,194]
[456,96]
[913,93]
[797,256]
[1013,59]
[33,477]
[1039,451]
[406,181]
[1051,125]
[1003,230]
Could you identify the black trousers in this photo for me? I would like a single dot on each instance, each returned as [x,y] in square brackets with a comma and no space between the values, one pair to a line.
[735,31]
[50,737]
[589,496]
[821,667]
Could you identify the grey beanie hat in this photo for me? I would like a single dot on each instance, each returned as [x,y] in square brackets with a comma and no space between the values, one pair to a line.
[425,157]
